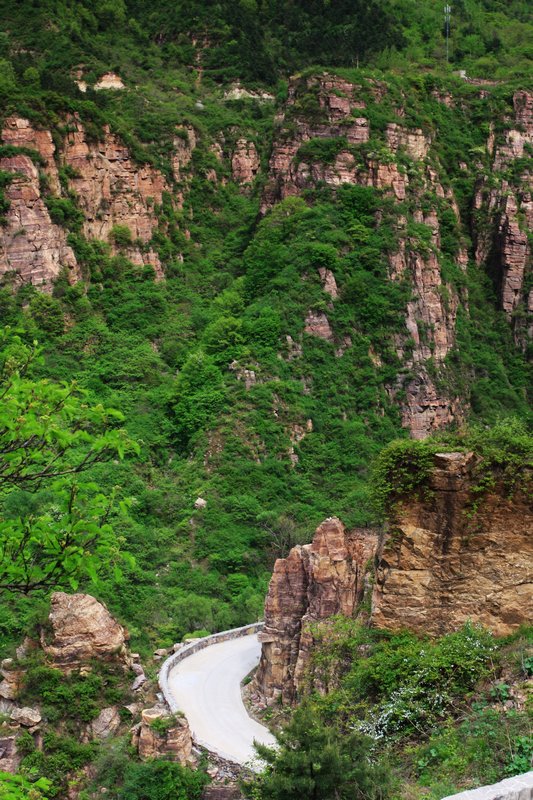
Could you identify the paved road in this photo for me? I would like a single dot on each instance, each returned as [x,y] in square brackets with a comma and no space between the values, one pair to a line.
[206,686]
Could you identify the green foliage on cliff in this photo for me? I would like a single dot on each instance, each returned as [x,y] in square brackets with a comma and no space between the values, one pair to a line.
[504,454]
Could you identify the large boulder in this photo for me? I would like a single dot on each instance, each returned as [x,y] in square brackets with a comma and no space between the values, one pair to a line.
[106,723]
[82,629]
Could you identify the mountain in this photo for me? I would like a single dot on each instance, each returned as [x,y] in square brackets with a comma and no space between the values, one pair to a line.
[275,236]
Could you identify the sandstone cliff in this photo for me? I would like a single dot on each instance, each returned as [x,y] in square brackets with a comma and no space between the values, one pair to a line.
[109,188]
[314,582]
[437,565]
[440,564]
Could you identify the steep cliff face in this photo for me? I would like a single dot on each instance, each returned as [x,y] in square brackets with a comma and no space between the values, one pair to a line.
[399,162]
[314,582]
[504,214]
[113,190]
[437,566]
[32,247]
[109,188]
[440,564]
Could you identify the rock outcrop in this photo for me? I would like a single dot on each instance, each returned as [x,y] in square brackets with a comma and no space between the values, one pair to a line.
[332,109]
[245,162]
[504,214]
[106,723]
[82,629]
[9,758]
[32,248]
[161,735]
[12,678]
[113,190]
[439,566]
[110,187]
[313,583]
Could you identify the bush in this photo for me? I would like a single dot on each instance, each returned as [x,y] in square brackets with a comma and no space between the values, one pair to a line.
[161,780]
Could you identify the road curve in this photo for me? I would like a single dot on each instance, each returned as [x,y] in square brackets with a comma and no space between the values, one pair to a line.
[207,688]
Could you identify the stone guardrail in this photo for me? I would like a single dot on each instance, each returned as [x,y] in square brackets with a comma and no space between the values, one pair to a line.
[520,787]
[194,647]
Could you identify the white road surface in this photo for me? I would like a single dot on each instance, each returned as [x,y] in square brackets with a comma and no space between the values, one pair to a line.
[206,687]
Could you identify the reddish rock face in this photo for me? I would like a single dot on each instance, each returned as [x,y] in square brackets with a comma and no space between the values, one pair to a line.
[438,568]
[245,162]
[317,324]
[505,211]
[111,190]
[31,246]
[313,583]
[435,569]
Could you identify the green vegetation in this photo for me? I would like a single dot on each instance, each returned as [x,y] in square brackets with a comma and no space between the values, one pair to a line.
[438,711]
[504,453]
[16,787]
[56,527]
[315,761]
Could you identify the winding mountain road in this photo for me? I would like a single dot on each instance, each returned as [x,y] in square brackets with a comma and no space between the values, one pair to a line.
[207,688]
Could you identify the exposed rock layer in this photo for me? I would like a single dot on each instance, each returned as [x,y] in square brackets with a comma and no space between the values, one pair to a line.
[439,566]
[436,567]
[314,582]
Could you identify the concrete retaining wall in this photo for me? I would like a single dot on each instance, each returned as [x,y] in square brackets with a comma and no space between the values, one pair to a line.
[194,647]
[518,788]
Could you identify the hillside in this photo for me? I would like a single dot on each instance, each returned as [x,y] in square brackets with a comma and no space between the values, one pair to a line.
[275,237]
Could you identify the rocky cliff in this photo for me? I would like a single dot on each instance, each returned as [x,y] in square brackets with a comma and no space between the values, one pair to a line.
[99,176]
[326,137]
[503,212]
[330,132]
[314,582]
[440,562]
[445,559]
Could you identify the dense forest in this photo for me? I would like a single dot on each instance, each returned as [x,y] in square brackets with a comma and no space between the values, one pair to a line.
[143,389]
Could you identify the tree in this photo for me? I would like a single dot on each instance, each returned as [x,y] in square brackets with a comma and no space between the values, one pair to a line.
[16,787]
[318,762]
[55,525]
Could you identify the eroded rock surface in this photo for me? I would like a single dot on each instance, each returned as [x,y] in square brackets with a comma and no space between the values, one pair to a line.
[313,583]
[160,735]
[435,568]
[439,566]
[82,629]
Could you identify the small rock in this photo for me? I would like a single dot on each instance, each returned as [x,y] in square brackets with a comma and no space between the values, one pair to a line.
[161,652]
[9,759]
[106,723]
[137,669]
[200,502]
[26,716]
[138,682]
